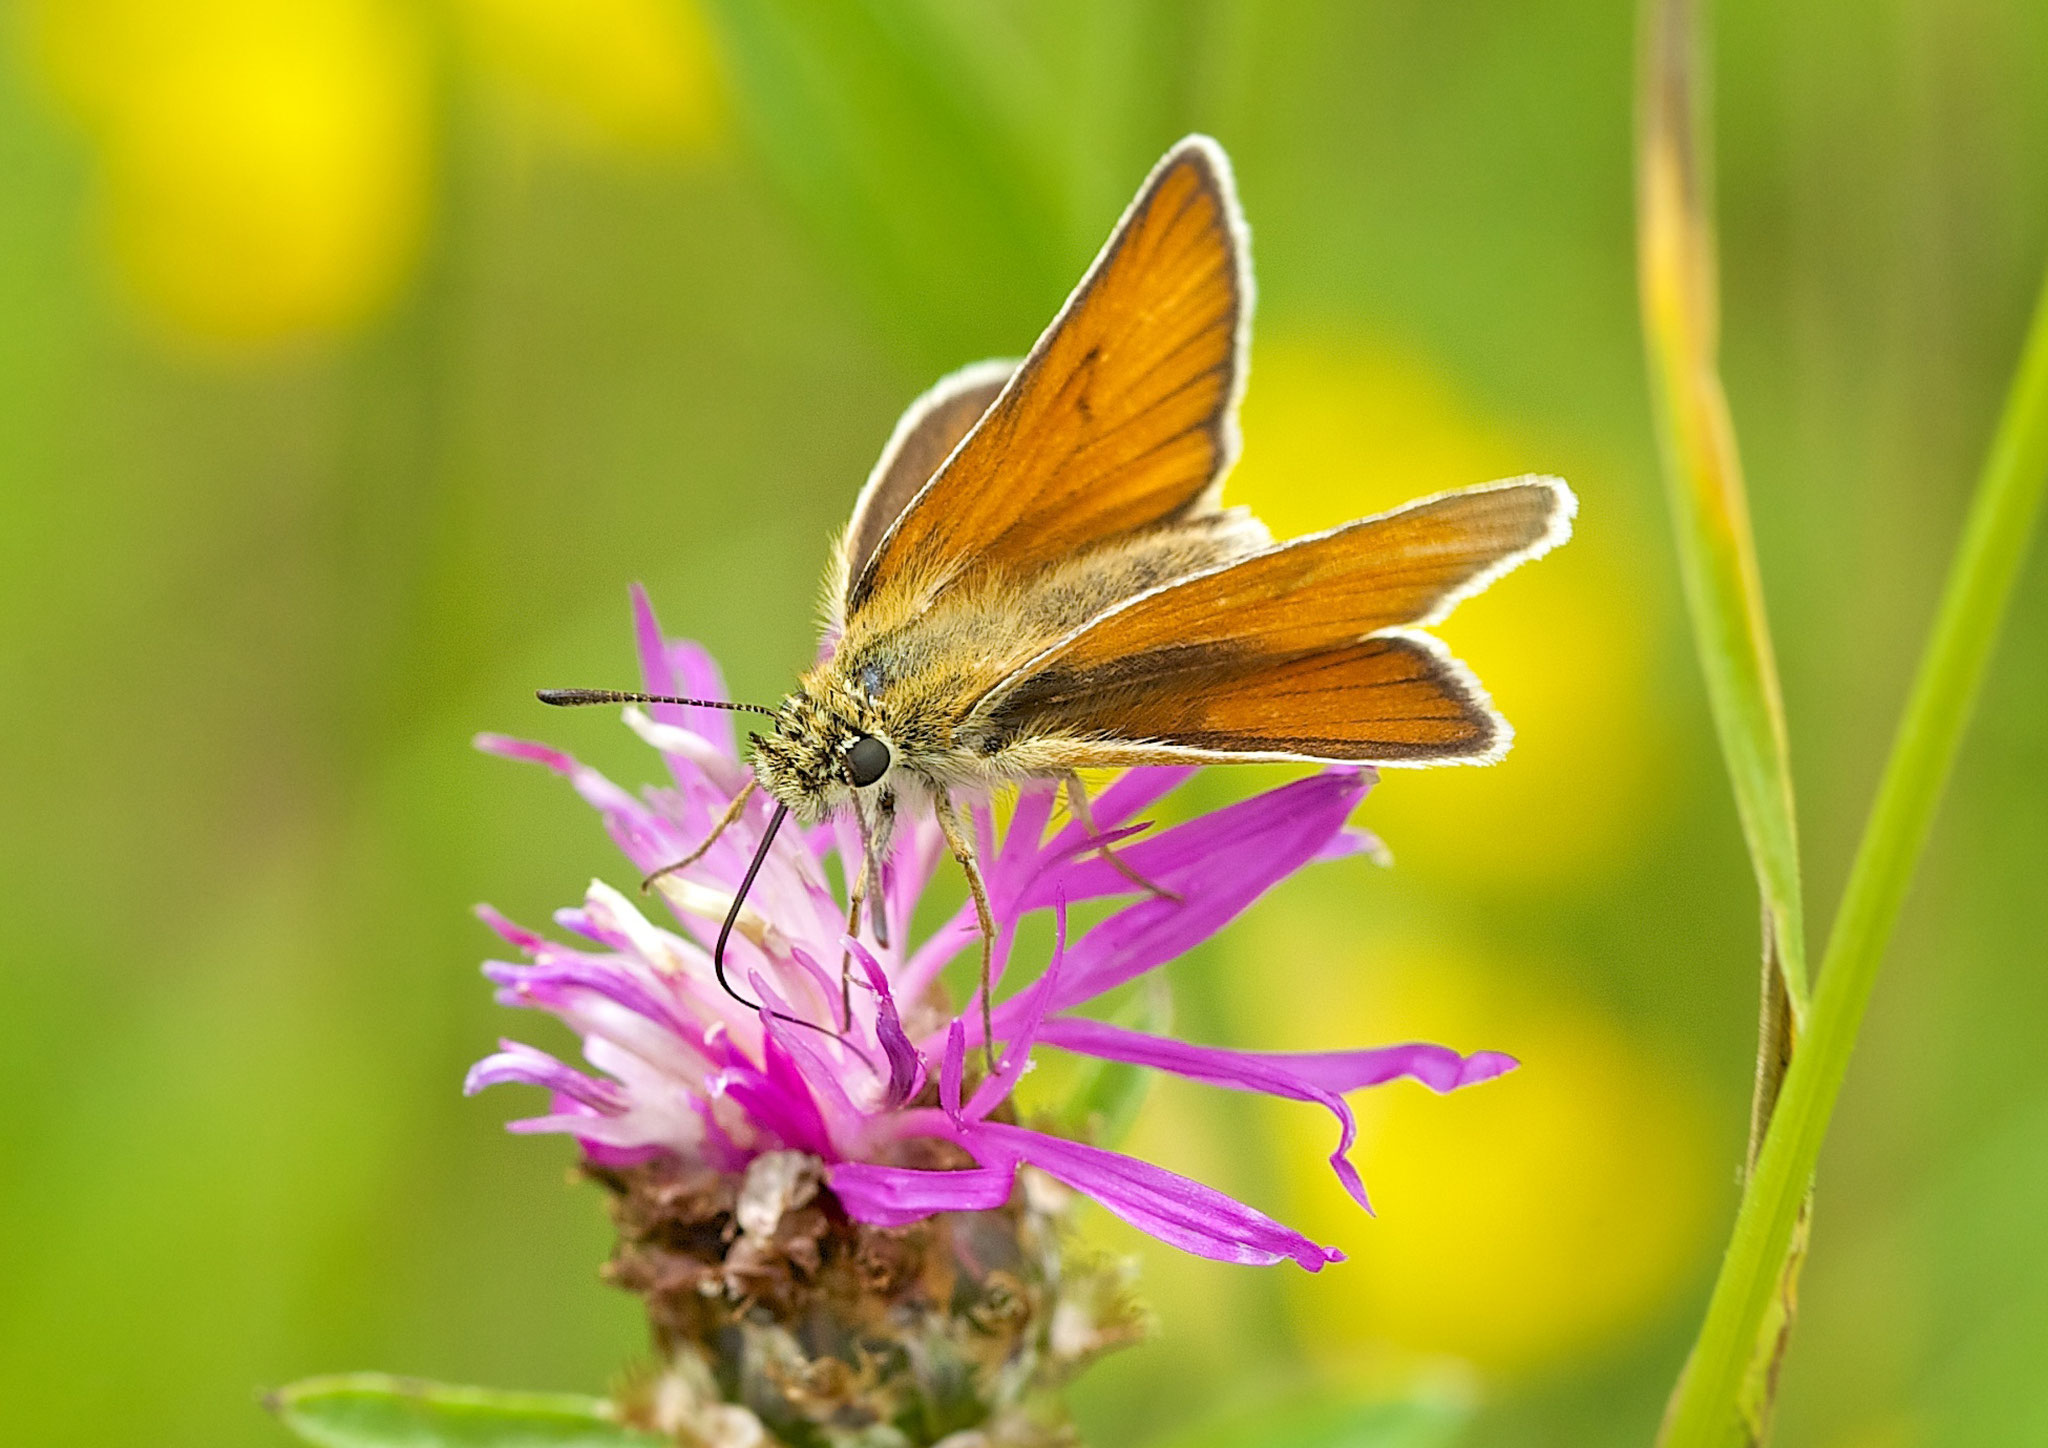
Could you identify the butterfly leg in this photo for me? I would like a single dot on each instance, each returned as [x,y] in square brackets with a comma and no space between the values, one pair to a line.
[864,898]
[732,812]
[856,904]
[1077,804]
[963,850]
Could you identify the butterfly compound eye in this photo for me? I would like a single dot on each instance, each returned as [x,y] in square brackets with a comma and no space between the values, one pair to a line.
[867,761]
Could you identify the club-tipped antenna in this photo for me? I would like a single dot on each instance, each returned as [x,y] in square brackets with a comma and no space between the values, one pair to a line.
[571,698]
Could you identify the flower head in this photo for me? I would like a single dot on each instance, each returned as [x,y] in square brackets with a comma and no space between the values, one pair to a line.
[682,1069]
[855,1093]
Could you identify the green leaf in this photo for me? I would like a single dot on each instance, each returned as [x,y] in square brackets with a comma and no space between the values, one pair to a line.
[1431,1417]
[372,1410]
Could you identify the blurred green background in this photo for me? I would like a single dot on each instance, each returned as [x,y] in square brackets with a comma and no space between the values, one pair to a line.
[355,356]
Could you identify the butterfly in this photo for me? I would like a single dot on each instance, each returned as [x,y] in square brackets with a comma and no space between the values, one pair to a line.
[1040,578]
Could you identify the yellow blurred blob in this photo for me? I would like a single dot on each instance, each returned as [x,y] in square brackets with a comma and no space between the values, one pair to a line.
[1337,427]
[265,161]
[1334,431]
[1524,1223]
[632,75]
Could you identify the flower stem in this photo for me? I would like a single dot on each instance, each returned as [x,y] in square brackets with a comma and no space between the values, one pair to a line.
[1706,1408]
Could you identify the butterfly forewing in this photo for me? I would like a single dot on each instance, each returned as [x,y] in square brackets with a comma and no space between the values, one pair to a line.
[1122,416]
[1297,651]
[929,430]
[1404,567]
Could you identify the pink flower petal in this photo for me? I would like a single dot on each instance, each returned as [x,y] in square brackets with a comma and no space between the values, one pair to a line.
[512,934]
[675,667]
[1032,1006]
[1133,790]
[1218,865]
[523,1065]
[644,839]
[906,1067]
[954,1070]
[1438,1067]
[1171,1207]
[895,1196]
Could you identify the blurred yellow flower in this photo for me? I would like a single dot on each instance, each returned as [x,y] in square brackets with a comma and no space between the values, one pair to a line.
[633,75]
[265,161]
[267,164]
[1337,429]
[1523,1224]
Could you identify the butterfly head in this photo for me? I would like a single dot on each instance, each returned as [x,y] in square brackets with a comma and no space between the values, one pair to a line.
[830,748]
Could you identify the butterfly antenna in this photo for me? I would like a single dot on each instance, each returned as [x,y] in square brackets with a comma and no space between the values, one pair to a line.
[570,698]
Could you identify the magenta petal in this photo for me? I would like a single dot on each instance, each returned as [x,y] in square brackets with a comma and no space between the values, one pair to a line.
[1011,864]
[523,1065]
[778,1096]
[565,1113]
[1318,1076]
[1229,838]
[1176,1210]
[1218,865]
[1032,1008]
[1216,1066]
[1239,1070]
[1351,841]
[633,827]
[1438,1067]
[672,667]
[1280,1073]
[906,1067]
[826,985]
[618,1158]
[510,932]
[655,675]
[893,1196]
[1134,790]
[543,987]
[954,1069]
[525,751]
[1074,868]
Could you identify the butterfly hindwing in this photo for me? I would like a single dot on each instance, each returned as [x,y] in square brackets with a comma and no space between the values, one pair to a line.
[1300,651]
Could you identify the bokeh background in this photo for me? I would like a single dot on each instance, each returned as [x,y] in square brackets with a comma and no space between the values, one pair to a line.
[355,355]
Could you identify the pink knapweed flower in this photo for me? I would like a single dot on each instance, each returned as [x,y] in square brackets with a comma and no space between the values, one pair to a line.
[880,1076]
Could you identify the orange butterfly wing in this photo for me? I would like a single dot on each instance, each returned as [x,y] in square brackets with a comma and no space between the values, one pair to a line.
[925,435]
[1297,652]
[1122,416]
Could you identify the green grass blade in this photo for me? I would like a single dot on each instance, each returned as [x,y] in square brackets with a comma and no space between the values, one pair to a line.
[1705,1410]
[1723,583]
[1710,509]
